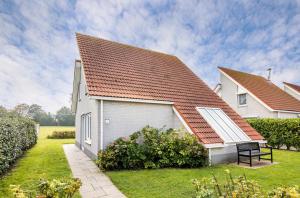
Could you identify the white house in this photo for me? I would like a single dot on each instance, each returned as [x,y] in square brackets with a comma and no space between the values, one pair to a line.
[292,89]
[118,89]
[255,96]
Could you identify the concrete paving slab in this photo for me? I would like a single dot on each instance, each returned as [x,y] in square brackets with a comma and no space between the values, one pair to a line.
[95,184]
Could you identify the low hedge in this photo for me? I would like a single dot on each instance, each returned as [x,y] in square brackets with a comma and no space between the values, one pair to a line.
[279,132]
[17,134]
[153,148]
[62,135]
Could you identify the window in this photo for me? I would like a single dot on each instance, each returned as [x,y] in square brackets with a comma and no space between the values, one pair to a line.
[223,125]
[86,127]
[242,99]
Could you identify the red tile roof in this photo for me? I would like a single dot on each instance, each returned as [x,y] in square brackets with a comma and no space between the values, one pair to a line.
[265,90]
[117,70]
[293,86]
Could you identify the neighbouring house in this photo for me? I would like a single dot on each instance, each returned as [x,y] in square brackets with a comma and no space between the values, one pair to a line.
[119,89]
[292,89]
[255,96]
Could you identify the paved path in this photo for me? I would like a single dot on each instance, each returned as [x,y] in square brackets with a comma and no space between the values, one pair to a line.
[95,184]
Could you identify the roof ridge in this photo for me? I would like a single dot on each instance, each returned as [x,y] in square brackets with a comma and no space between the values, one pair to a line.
[290,84]
[126,45]
[256,75]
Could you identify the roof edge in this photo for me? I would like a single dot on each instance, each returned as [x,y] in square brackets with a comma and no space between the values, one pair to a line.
[124,44]
[290,87]
[76,82]
[222,68]
[131,100]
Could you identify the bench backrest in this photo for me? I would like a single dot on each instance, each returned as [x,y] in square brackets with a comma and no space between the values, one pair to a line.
[248,146]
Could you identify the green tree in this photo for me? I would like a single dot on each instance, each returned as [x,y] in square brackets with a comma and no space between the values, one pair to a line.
[21,109]
[39,115]
[65,117]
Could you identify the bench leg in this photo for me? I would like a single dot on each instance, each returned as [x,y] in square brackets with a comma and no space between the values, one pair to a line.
[238,159]
[250,161]
[259,158]
[271,157]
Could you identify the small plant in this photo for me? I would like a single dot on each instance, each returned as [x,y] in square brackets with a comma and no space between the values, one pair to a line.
[153,148]
[285,192]
[18,192]
[56,188]
[239,187]
[64,188]
[62,135]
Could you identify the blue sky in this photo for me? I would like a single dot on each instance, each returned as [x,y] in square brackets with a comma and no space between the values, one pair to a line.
[38,46]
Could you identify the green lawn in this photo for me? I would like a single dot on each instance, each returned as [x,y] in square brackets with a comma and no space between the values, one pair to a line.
[45,160]
[178,182]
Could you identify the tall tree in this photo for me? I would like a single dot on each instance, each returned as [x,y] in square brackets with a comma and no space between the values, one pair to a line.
[39,115]
[21,109]
[35,111]
[65,117]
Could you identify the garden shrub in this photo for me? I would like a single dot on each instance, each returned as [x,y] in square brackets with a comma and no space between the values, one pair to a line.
[62,135]
[239,187]
[279,132]
[56,188]
[17,134]
[153,148]
[63,188]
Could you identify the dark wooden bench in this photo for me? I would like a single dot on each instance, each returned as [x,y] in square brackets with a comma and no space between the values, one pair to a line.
[250,150]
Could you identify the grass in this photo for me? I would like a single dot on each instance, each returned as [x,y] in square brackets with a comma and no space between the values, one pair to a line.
[45,160]
[178,182]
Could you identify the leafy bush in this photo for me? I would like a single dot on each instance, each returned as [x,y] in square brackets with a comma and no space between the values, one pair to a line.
[18,192]
[62,135]
[282,192]
[153,148]
[17,134]
[64,188]
[279,132]
[57,188]
[239,187]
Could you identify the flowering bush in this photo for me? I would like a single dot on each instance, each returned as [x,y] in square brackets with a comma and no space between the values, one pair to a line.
[153,148]
[63,188]
[285,192]
[56,188]
[239,187]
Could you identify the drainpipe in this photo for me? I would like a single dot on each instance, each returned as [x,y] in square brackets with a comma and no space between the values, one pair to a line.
[209,156]
[101,124]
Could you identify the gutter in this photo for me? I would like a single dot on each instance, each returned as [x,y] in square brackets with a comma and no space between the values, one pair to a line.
[131,100]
